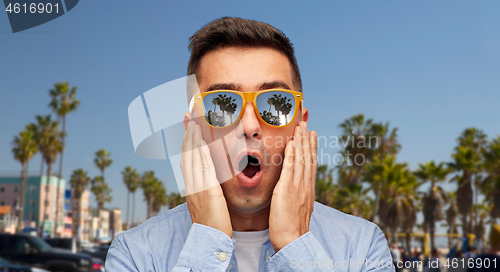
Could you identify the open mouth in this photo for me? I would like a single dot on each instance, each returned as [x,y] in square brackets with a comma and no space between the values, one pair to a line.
[249,166]
[250,171]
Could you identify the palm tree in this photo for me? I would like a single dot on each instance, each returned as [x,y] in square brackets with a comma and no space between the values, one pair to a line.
[160,199]
[270,118]
[216,101]
[102,160]
[49,143]
[132,181]
[150,184]
[355,131]
[101,191]
[481,210]
[451,216]
[491,184]
[99,185]
[24,148]
[39,133]
[231,107]
[324,185]
[386,142]
[467,161]
[222,103]
[433,200]
[79,182]
[397,201]
[286,107]
[63,102]
[102,195]
[175,199]
[271,101]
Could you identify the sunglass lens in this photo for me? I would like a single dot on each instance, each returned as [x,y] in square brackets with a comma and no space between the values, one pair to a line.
[276,107]
[221,109]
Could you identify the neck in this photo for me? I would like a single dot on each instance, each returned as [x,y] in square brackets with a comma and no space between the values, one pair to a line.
[250,221]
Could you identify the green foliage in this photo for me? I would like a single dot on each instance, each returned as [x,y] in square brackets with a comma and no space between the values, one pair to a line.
[131,179]
[79,182]
[175,199]
[101,191]
[102,160]
[63,99]
[25,146]
[155,193]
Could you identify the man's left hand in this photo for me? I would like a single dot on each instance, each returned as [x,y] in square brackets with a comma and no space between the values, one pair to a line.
[293,197]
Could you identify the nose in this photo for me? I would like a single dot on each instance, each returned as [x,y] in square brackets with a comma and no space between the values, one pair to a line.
[250,125]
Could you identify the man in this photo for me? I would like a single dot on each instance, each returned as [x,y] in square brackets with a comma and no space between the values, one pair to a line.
[263,216]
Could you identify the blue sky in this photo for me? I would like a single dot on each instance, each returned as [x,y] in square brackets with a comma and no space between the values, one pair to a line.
[429,68]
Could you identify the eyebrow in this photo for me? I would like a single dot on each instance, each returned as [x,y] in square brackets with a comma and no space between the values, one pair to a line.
[224,86]
[275,85]
[278,84]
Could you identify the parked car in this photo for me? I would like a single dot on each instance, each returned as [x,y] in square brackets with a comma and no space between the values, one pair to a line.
[98,265]
[84,244]
[63,243]
[9,267]
[99,252]
[29,250]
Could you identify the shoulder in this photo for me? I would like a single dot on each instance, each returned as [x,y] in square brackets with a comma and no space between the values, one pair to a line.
[353,235]
[172,223]
[327,217]
[154,243]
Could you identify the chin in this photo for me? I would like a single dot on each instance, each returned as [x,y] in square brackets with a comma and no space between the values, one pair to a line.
[246,200]
[242,205]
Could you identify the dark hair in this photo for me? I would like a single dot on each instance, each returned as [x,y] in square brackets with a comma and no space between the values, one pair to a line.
[231,31]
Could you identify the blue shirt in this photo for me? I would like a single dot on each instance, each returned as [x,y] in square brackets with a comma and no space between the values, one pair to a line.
[171,242]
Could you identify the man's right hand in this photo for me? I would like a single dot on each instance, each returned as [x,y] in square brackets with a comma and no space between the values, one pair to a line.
[204,196]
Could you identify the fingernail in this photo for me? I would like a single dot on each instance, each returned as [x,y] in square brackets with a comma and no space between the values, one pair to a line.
[293,144]
[190,124]
[305,126]
[302,131]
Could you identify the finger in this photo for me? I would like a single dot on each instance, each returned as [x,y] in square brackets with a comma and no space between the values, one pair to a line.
[197,165]
[314,155]
[209,175]
[186,119]
[286,176]
[298,174]
[186,162]
[307,157]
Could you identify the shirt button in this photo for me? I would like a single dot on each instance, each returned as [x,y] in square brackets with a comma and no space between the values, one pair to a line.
[222,256]
[230,267]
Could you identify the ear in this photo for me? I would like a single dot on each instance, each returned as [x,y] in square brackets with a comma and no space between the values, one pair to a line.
[186,119]
[305,114]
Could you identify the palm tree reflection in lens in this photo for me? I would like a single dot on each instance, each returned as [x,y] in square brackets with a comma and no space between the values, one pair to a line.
[281,104]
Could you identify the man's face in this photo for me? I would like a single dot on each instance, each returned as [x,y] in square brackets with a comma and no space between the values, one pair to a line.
[247,70]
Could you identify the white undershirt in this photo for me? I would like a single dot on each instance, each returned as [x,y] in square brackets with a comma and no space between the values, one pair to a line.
[248,248]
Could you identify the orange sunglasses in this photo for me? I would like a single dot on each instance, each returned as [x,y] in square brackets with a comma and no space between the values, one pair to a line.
[275,107]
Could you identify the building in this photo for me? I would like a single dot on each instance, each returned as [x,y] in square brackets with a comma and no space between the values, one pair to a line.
[68,219]
[104,222]
[67,230]
[99,224]
[115,222]
[80,214]
[40,198]
[8,221]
